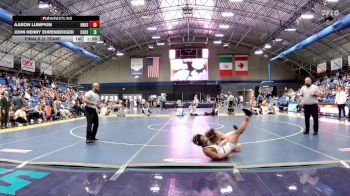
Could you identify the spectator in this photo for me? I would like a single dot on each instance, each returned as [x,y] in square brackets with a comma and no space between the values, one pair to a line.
[21,116]
[5,108]
[260,99]
[340,100]
[18,101]
[193,110]
[145,109]
[163,102]
[196,100]
[230,100]
[241,100]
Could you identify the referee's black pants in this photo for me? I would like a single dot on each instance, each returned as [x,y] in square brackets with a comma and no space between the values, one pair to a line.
[341,109]
[92,123]
[311,110]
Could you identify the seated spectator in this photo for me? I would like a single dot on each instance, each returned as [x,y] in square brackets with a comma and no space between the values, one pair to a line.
[120,109]
[20,116]
[145,109]
[214,111]
[193,110]
[40,108]
[179,108]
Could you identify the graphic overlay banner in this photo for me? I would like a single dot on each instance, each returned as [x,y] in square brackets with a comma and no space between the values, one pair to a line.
[6,60]
[226,65]
[27,65]
[188,69]
[136,65]
[153,67]
[241,65]
[322,67]
[46,68]
[336,63]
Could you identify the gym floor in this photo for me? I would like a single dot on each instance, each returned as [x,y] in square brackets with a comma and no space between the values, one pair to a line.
[164,140]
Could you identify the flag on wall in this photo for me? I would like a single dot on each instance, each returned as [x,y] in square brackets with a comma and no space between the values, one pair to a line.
[241,65]
[136,65]
[336,63]
[152,67]
[322,67]
[226,65]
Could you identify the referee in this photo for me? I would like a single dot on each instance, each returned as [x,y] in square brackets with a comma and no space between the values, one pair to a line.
[91,100]
[309,93]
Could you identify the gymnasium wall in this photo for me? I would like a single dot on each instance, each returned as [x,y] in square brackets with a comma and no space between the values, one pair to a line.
[118,70]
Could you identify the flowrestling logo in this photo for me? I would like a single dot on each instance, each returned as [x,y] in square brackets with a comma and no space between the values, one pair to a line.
[327,13]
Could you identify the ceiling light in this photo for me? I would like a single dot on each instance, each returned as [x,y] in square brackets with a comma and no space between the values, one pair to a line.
[308,15]
[278,39]
[290,29]
[267,46]
[152,28]
[226,45]
[224,26]
[292,188]
[227,14]
[150,46]
[137,2]
[119,53]
[332,1]
[145,17]
[43,5]
[226,190]
[259,52]
[236,0]
[156,37]
[219,35]
[110,48]
[160,43]
[217,42]
[100,42]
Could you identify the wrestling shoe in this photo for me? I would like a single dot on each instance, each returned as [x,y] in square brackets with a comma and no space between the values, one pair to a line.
[235,127]
[247,112]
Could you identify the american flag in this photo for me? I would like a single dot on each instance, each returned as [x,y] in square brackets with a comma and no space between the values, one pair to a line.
[153,67]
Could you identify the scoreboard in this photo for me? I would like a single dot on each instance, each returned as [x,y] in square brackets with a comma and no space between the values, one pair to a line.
[56,29]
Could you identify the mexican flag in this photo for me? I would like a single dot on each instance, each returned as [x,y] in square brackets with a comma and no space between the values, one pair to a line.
[241,65]
[226,65]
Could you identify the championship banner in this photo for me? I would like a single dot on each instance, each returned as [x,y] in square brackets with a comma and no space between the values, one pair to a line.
[349,61]
[226,65]
[6,60]
[136,65]
[46,68]
[322,67]
[336,63]
[27,65]
[241,65]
